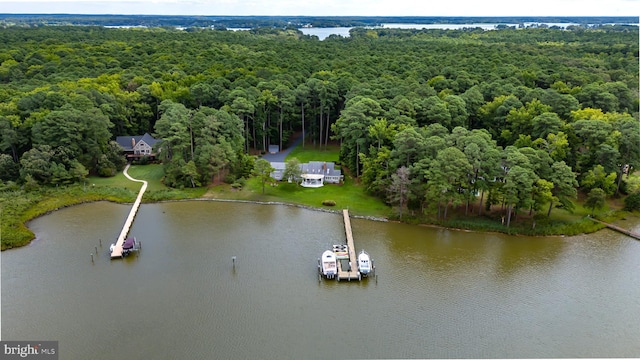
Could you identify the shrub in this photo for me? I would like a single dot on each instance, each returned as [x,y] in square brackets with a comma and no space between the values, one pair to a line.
[236,185]
[143,160]
[632,202]
[329,203]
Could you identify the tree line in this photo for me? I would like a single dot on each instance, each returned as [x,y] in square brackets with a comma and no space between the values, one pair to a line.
[522,113]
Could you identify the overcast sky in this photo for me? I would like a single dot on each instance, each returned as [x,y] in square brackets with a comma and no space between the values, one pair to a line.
[330,7]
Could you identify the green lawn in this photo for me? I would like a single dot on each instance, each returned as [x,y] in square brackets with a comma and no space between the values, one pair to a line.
[152,173]
[347,196]
[311,153]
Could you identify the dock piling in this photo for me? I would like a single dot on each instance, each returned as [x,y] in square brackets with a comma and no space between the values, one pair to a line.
[92,258]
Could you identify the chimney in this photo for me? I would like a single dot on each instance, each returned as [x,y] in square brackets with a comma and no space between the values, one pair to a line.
[133,143]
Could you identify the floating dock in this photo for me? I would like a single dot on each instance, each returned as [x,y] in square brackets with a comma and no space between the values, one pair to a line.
[348,271]
[117,249]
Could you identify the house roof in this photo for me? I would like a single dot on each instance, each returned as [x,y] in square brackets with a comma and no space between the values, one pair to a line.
[126,143]
[320,167]
[312,167]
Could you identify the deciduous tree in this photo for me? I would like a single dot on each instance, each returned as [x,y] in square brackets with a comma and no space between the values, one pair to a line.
[263,169]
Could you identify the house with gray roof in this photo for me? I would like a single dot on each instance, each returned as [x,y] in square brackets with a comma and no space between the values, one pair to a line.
[138,146]
[314,173]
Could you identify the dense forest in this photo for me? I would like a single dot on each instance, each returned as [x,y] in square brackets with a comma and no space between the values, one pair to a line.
[427,119]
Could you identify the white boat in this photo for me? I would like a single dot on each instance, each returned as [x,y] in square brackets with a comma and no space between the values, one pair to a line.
[329,264]
[364,263]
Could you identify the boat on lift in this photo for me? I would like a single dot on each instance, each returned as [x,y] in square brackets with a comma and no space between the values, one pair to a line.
[128,246]
[364,263]
[329,264]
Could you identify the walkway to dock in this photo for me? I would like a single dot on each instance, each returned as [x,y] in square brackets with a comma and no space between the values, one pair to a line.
[350,273]
[618,228]
[117,250]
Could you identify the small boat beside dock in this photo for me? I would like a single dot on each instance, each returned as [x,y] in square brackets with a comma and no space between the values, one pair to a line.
[129,245]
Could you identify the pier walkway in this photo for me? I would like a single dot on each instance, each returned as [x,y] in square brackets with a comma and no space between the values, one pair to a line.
[117,250]
[350,272]
[619,229]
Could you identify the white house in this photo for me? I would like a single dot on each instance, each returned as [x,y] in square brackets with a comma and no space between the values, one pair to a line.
[314,173]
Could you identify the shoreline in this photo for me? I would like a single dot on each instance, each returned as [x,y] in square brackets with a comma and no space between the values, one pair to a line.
[91,197]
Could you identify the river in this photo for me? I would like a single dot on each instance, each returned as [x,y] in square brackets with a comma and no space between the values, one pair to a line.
[439,293]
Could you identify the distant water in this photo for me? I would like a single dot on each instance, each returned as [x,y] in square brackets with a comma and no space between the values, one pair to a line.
[484,26]
[323,33]
[445,26]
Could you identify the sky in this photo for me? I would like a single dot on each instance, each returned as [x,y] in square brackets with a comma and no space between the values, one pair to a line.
[329,7]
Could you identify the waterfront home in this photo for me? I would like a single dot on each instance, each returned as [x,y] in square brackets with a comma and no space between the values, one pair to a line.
[314,173]
[135,147]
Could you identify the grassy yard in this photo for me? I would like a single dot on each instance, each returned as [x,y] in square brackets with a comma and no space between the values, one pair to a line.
[347,196]
[152,173]
[311,153]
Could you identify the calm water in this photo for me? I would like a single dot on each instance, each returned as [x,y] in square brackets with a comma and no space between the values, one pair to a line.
[439,293]
[323,33]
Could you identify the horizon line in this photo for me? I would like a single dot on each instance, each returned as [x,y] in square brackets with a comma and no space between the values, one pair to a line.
[334,16]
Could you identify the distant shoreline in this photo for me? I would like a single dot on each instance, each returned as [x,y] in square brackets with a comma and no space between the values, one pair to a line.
[224,22]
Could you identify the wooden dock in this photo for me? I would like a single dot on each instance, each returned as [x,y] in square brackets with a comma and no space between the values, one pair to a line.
[117,250]
[351,272]
[618,229]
